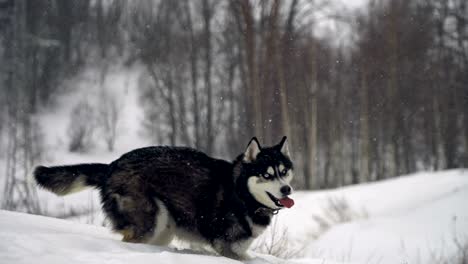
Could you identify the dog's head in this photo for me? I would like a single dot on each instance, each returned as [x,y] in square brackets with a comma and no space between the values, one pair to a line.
[267,173]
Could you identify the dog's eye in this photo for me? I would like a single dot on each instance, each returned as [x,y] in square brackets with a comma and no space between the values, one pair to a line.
[284,172]
[267,175]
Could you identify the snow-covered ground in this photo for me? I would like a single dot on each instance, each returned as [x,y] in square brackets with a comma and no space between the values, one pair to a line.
[403,220]
[37,239]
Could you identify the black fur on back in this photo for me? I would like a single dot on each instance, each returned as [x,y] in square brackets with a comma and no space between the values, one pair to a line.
[197,190]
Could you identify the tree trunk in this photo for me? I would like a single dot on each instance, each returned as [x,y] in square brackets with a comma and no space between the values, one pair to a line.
[193,77]
[364,165]
[207,16]
[254,97]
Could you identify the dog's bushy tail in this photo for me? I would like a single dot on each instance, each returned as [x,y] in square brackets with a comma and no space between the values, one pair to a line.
[63,180]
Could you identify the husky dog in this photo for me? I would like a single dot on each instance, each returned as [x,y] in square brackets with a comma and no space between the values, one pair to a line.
[154,193]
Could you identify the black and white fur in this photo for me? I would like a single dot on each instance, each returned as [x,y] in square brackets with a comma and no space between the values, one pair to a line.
[152,194]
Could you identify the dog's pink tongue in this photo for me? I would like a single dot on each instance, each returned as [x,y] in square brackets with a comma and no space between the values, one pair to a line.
[287,202]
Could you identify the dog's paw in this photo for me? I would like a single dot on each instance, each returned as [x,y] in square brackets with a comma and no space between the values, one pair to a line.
[245,256]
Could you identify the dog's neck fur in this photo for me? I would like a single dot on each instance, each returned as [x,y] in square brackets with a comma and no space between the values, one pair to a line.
[259,213]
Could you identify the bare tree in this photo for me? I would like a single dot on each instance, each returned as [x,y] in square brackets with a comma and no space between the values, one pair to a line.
[393,101]
[208,11]
[23,134]
[109,109]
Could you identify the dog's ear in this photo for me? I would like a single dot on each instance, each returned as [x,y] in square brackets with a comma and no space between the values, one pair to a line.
[284,147]
[252,150]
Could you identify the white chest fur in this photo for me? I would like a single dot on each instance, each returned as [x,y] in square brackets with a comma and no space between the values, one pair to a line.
[257,230]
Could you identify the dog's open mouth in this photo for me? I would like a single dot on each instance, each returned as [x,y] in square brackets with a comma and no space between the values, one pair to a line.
[283,202]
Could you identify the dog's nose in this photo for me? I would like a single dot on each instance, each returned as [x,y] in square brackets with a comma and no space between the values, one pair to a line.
[286,190]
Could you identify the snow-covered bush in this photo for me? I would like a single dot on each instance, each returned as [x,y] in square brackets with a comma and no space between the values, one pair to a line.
[276,242]
[438,256]
[336,210]
[462,252]
[459,242]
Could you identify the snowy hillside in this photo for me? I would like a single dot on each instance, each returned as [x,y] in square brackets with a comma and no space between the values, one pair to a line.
[411,219]
[36,239]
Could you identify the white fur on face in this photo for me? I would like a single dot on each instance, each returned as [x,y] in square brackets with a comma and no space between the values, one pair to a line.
[281,167]
[271,171]
[258,186]
[289,176]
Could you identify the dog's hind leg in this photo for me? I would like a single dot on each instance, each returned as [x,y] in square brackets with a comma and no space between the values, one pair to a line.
[164,226]
[132,215]
[146,221]
[135,213]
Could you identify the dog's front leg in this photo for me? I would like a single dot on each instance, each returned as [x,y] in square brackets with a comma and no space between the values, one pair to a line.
[241,247]
[223,248]
[235,250]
